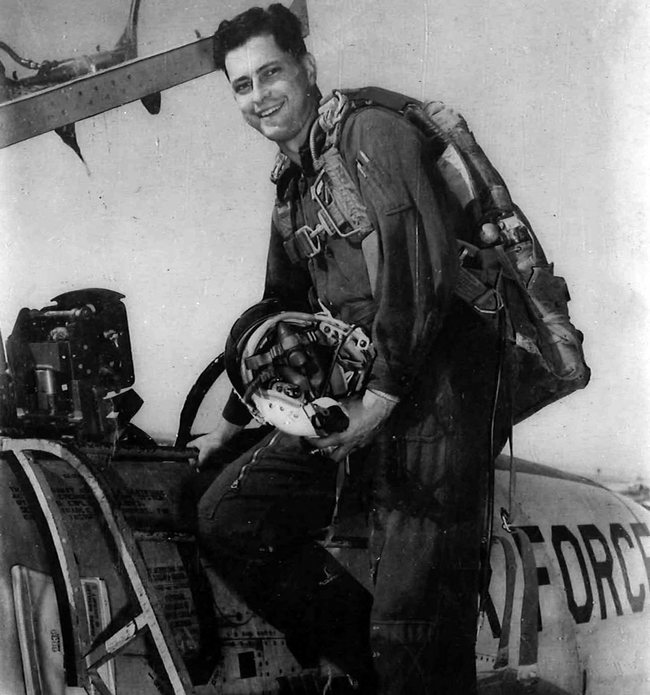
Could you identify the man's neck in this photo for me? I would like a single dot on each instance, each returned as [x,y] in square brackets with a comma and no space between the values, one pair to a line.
[291,148]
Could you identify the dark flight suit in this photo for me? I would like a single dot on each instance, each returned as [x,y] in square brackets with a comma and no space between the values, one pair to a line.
[429,464]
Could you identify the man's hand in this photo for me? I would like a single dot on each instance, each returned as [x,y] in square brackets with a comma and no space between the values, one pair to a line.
[209,444]
[367,415]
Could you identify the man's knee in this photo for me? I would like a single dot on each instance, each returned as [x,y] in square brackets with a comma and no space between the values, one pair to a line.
[223,527]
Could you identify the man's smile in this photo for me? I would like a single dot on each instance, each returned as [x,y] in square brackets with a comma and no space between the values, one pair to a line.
[270,111]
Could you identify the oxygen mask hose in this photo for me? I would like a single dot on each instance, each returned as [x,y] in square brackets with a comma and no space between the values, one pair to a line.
[335,357]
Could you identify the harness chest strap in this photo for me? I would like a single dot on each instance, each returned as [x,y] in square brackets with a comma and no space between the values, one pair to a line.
[342,213]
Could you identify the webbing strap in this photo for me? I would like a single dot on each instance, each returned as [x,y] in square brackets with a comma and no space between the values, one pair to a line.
[528,642]
[370,250]
[512,482]
[511,575]
[342,472]
[262,359]
[482,298]
[488,520]
[527,647]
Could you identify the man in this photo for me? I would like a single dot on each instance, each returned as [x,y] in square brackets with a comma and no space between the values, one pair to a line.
[424,429]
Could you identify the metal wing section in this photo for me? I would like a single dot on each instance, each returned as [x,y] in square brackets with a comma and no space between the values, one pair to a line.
[107,88]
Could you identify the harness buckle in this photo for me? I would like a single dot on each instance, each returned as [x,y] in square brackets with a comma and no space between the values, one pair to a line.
[329,211]
[492,295]
[308,240]
[323,198]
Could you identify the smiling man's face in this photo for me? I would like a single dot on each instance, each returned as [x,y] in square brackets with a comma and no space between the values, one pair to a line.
[274,91]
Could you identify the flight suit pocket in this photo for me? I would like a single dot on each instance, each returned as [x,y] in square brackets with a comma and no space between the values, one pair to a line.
[412,477]
[385,196]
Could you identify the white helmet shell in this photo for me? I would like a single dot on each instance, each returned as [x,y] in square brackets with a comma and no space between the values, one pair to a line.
[289,415]
[292,368]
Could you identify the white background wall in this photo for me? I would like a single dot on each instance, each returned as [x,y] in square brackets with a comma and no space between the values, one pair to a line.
[173,210]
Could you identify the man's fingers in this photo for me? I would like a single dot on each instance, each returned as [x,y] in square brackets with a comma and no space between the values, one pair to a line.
[203,451]
[333,452]
[326,442]
[198,443]
[196,461]
[340,453]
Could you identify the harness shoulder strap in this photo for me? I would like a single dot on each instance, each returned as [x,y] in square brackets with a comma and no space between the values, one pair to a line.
[332,117]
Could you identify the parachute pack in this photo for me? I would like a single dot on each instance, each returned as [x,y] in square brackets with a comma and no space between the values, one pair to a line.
[504,271]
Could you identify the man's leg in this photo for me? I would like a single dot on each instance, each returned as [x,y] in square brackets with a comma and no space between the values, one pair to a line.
[430,492]
[423,623]
[256,523]
[425,544]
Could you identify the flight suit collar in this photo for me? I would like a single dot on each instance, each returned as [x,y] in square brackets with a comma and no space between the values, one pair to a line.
[282,163]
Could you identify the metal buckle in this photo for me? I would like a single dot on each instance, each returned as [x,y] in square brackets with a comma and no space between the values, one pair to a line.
[305,237]
[489,312]
[505,520]
[325,218]
[345,235]
[327,224]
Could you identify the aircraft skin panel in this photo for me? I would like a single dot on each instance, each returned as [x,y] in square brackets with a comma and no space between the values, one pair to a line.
[152,495]
[26,547]
[502,463]
[567,606]
[617,659]
[20,547]
[592,560]
[636,510]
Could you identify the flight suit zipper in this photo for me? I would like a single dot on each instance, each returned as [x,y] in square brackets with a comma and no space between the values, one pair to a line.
[236,484]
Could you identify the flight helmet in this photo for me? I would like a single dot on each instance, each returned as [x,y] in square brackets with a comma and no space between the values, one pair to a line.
[291,369]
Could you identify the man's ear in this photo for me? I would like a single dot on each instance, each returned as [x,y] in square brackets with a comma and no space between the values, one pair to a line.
[309,63]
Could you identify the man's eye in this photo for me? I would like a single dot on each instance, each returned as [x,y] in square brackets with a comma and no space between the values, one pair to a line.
[270,72]
[242,88]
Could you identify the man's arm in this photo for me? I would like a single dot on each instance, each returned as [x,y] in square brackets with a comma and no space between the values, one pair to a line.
[416,271]
[209,444]
[289,284]
[417,263]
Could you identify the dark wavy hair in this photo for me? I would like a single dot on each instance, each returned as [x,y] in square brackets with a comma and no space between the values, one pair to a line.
[277,21]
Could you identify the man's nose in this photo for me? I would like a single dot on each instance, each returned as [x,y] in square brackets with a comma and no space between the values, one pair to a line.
[259,92]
